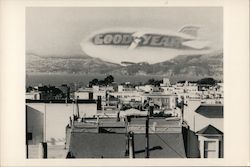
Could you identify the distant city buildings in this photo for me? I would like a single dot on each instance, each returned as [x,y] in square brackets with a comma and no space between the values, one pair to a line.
[43,92]
[186,115]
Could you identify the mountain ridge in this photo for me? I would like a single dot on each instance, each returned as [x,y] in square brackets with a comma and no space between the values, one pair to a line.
[193,65]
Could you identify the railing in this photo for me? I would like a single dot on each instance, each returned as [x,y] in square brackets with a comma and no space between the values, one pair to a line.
[155,129]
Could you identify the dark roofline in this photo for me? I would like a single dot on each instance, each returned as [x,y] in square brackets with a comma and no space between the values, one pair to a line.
[161,95]
[211,110]
[61,101]
[207,104]
[210,130]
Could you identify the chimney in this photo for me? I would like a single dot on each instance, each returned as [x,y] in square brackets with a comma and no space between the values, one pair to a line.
[68,92]
[118,116]
[99,103]
[151,111]
[151,108]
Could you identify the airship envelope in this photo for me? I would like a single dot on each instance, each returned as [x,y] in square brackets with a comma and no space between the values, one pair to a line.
[133,45]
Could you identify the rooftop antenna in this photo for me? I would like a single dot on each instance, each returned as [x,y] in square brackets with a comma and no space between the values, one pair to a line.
[146,136]
[77,107]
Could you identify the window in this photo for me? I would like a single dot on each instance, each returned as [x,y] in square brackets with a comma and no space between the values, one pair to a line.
[210,148]
[220,150]
[167,103]
[29,136]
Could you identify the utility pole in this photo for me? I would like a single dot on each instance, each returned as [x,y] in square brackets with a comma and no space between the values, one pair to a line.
[127,137]
[131,144]
[26,127]
[77,108]
[150,113]
[44,126]
[147,139]
[182,108]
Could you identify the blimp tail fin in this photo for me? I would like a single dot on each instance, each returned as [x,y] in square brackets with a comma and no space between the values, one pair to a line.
[190,30]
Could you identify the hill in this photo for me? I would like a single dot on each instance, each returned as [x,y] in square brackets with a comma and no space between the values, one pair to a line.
[192,65]
[67,64]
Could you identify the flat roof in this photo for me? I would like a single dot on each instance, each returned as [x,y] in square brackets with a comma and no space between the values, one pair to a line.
[113,145]
[61,101]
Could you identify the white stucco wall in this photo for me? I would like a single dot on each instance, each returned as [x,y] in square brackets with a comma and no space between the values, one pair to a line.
[57,117]
[35,125]
[82,95]
[33,95]
[197,121]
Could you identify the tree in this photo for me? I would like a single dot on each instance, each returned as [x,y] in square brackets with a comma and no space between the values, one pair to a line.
[158,82]
[207,81]
[93,82]
[151,81]
[109,79]
[101,83]
[154,82]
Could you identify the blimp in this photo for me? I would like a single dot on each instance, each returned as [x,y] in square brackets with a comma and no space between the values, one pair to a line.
[127,46]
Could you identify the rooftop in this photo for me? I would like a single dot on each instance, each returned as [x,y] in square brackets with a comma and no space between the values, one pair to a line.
[210,110]
[157,94]
[106,138]
[210,130]
[113,145]
[60,101]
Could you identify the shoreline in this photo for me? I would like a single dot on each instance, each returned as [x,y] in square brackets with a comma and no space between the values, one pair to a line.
[55,79]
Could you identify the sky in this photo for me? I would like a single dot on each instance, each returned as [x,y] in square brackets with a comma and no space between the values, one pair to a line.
[60,30]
